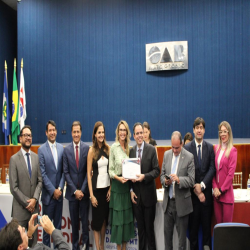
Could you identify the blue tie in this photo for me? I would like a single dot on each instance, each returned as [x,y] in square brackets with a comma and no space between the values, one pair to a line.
[54,154]
[199,155]
[173,172]
[28,162]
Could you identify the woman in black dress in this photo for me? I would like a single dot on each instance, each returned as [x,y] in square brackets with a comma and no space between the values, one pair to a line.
[99,183]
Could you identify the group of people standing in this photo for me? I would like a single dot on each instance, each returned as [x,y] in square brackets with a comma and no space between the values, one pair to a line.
[95,173]
[189,174]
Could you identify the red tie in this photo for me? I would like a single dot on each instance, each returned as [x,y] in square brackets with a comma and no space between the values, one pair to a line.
[77,158]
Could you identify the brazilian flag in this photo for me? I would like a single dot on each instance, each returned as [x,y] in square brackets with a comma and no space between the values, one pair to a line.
[15,131]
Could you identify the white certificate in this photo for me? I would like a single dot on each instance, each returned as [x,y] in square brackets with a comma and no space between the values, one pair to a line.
[130,168]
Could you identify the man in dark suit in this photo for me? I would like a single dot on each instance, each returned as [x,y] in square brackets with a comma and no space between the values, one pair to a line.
[177,176]
[25,180]
[14,237]
[51,165]
[77,193]
[202,191]
[143,192]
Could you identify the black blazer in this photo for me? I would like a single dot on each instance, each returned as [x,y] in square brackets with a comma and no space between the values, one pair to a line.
[207,171]
[146,190]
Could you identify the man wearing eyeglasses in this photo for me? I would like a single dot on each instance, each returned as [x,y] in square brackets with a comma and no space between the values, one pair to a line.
[202,191]
[143,192]
[25,181]
[177,177]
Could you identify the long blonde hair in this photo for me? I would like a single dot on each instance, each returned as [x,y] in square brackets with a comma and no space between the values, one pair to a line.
[230,138]
[127,140]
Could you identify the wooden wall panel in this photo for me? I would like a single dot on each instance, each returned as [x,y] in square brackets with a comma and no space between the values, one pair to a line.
[243,161]
[6,152]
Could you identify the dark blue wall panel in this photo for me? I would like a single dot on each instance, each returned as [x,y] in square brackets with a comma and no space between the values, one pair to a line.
[8,51]
[85,60]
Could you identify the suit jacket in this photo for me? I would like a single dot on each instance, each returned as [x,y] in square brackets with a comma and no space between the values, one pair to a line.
[146,190]
[186,173]
[76,178]
[58,240]
[225,174]
[207,171]
[22,186]
[52,177]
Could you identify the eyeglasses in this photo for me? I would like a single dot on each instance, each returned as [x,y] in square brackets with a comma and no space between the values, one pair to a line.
[139,133]
[26,136]
[223,132]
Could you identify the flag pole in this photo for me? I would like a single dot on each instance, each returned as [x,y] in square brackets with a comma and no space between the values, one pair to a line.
[5,67]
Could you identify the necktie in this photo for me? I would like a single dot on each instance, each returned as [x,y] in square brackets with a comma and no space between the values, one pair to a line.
[199,155]
[54,154]
[77,157]
[139,154]
[28,162]
[173,172]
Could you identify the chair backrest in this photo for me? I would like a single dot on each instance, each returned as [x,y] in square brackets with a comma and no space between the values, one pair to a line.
[231,236]
[237,181]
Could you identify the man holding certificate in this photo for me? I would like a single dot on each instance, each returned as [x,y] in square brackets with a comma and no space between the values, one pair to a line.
[143,190]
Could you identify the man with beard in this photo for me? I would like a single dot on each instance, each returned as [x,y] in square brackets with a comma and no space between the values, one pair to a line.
[202,191]
[25,181]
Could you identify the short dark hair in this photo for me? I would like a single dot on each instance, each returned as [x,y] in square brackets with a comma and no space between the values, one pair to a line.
[137,124]
[188,136]
[199,121]
[50,122]
[76,123]
[10,237]
[24,127]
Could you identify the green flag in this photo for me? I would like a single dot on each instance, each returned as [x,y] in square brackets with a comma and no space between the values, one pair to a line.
[15,131]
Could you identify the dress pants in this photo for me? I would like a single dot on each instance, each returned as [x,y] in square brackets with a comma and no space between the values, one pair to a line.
[223,211]
[54,212]
[201,215]
[25,224]
[79,208]
[145,217]
[170,219]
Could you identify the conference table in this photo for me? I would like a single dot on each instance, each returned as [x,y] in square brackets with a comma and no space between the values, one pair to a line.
[241,214]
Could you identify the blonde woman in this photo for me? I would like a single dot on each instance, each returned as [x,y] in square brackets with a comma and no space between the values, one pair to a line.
[121,213]
[99,183]
[225,163]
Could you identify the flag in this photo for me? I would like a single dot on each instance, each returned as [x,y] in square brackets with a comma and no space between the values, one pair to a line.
[22,102]
[5,111]
[15,131]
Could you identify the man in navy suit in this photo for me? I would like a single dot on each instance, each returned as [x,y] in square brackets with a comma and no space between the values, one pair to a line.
[77,193]
[51,165]
[202,192]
